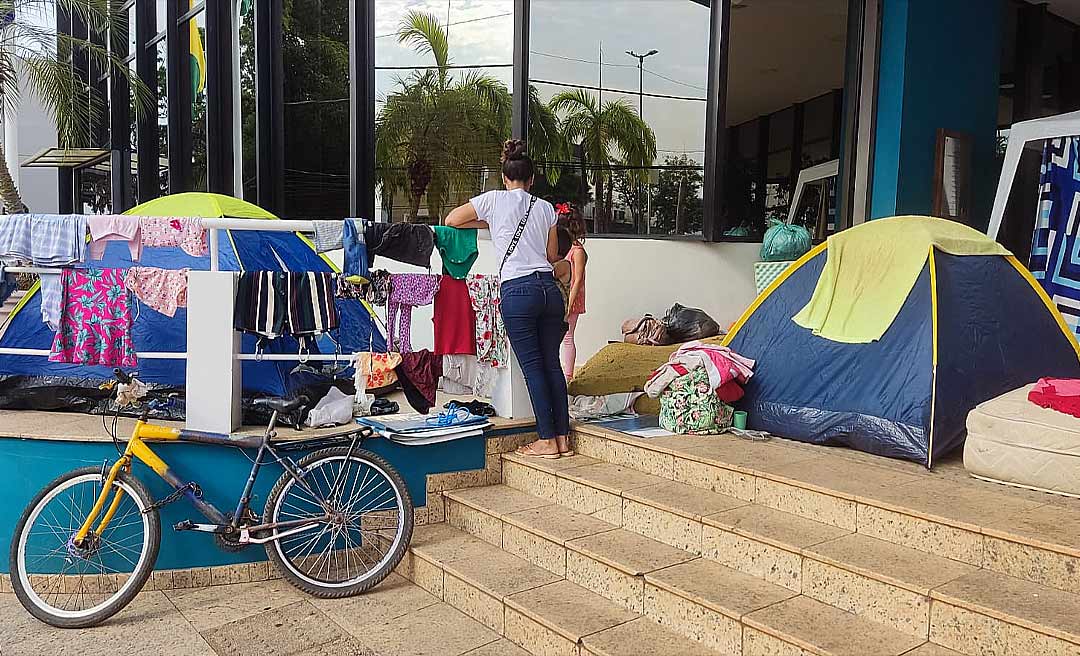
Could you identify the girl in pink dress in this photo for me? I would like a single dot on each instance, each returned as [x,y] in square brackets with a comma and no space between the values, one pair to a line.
[570,217]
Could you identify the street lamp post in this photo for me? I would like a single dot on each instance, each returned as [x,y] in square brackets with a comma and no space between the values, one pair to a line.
[641,114]
[641,77]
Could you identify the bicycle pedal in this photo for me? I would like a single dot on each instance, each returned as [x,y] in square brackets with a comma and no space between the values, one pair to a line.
[186,525]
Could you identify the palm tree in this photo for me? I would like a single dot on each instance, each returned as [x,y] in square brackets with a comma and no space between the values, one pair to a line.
[438,132]
[607,133]
[36,59]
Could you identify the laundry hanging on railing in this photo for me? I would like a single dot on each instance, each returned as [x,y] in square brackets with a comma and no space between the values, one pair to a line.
[95,322]
[185,232]
[274,303]
[45,240]
[491,342]
[114,227]
[457,248]
[407,290]
[410,243]
[328,235]
[455,321]
[163,290]
[354,241]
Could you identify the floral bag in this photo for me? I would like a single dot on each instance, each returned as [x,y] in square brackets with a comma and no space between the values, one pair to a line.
[690,406]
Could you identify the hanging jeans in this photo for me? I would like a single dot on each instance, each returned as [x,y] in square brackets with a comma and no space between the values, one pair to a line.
[533,310]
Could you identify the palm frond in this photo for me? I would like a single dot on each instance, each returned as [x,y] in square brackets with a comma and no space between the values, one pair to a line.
[426,35]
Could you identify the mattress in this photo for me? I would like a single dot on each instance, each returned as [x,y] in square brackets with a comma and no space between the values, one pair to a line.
[1013,441]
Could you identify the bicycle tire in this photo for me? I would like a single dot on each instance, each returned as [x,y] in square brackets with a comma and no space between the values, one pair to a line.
[374,577]
[136,580]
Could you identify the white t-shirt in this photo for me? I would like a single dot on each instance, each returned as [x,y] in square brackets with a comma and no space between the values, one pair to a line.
[503,210]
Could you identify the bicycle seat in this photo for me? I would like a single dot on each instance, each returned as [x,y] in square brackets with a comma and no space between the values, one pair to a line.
[283,406]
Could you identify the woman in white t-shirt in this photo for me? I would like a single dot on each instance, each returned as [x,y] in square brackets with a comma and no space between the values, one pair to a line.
[523,231]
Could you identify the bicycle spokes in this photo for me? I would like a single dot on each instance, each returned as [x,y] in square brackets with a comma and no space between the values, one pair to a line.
[358,533]
[72,577]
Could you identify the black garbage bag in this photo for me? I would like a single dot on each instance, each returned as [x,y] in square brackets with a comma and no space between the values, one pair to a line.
[687,324]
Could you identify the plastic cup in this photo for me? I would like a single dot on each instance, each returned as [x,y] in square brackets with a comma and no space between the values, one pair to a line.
[739,419]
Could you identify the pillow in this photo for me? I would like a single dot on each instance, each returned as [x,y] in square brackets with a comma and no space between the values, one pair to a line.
[622,367]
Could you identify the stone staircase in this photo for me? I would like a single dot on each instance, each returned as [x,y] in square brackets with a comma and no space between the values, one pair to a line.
[8,306]
[713,545]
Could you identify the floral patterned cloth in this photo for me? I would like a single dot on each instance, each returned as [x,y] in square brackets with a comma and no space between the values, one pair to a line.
[491,343]
[187,233]
[690,406]
[95,326]
[376,370]
[164,290]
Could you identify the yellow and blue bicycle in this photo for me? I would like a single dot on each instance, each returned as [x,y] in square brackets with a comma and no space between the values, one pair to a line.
[335,524]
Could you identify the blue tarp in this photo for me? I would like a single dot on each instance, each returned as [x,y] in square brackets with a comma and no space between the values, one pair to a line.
[23,378]
[994,334]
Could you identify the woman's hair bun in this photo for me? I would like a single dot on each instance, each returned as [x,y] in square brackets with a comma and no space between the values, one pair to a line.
[513,149]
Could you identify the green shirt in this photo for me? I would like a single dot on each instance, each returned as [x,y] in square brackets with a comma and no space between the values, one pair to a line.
[458,250]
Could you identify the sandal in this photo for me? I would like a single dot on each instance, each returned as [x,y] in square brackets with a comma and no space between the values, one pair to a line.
[527,450]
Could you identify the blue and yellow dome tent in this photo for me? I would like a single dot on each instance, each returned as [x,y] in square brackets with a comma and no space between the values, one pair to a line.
[31,382]
[971,327]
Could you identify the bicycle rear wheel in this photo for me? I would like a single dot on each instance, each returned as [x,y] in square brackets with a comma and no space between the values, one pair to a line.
[72,585]
[366,535]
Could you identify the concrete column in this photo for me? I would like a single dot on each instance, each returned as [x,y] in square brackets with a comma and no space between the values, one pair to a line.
[938,69]
[213,372]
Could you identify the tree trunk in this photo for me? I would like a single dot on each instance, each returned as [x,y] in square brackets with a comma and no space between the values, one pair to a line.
[9,192]
[599,215]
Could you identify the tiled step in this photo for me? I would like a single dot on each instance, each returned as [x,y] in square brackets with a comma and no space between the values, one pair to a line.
[879,581]
[817,628]
[694,597]
[614,564]
[986,613]
[534,608]
[707,601]
[641,637]
[694,608]
[1019,533]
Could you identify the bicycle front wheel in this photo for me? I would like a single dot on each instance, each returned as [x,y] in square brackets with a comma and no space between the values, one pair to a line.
[350,521]
[71,585]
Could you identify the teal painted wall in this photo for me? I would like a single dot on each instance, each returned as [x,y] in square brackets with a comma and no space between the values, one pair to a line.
[939,68]
[28,465]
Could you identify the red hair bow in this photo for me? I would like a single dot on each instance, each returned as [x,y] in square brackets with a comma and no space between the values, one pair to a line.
[562,208]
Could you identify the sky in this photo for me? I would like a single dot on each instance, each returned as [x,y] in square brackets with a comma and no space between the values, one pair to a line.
[565,42]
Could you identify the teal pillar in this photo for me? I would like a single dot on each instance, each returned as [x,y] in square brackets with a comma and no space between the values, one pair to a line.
[939,68]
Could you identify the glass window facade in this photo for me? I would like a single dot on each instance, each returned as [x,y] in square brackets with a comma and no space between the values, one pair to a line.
[316,61]
[627,92]
[617,105]
[443,103]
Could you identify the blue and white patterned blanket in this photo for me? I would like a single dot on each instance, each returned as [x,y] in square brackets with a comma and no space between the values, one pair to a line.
[1055,246]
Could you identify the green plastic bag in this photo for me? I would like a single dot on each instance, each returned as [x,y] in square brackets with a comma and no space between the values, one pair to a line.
[784,242]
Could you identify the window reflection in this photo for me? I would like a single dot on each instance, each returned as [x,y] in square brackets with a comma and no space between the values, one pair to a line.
[783,109]
[628,91]
[197,61]
[316,61]
[443,88]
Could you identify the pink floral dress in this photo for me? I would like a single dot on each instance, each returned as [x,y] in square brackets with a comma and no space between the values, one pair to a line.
[95,322]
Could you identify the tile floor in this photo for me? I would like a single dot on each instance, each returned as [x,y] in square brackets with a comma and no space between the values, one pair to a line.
[269,617]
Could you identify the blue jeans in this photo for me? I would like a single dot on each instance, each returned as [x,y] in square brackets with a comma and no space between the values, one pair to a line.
[533,311]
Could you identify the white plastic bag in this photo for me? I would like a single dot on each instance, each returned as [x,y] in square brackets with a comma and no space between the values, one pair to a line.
[332,410]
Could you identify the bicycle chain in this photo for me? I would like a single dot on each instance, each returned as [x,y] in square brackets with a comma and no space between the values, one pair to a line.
[193,487]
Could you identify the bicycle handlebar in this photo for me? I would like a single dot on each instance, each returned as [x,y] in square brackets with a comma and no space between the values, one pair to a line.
[121,376]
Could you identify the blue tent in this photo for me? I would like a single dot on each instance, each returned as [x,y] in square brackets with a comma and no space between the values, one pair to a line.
[972,328]
[33,382]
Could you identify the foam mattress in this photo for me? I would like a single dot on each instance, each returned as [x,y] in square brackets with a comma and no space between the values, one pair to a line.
[1013,441]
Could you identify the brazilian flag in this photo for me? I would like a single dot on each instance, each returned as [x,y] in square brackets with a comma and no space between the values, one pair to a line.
[197,56]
